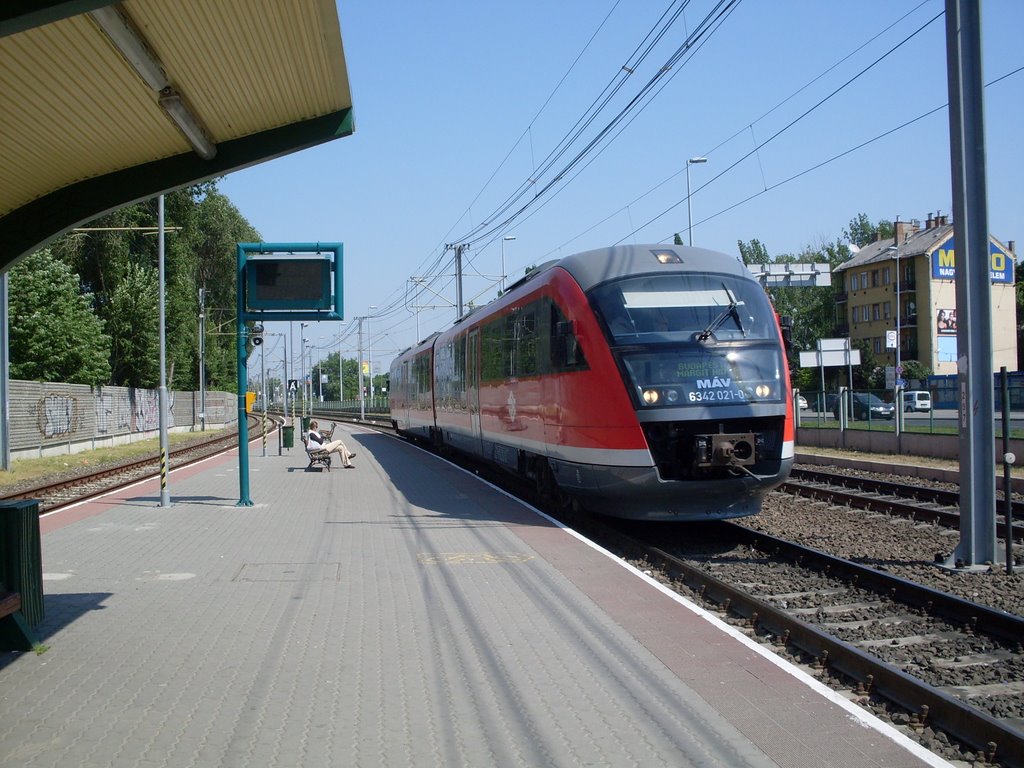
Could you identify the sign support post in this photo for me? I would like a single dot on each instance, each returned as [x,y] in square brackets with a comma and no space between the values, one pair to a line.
[280,281]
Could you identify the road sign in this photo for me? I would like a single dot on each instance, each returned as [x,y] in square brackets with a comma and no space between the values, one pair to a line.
[293,385]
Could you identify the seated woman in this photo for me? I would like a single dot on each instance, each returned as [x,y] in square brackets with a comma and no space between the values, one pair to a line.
[316,442]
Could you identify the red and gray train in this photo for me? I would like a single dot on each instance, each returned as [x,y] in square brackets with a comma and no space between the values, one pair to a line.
[643,381]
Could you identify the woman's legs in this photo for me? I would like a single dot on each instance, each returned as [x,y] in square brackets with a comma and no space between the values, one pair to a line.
[338,447]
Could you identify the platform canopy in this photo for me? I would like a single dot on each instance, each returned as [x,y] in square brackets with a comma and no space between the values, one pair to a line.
[106,104]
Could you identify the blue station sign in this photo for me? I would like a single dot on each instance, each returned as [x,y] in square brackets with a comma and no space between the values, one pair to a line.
[944,262]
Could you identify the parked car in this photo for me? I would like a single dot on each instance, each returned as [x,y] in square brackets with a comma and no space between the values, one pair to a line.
[802,402]
[917,400]
[864,405]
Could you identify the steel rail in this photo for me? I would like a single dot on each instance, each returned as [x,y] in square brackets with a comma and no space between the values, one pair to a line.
[932,706]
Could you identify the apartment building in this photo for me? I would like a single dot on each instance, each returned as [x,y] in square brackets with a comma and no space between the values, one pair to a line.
[901,290]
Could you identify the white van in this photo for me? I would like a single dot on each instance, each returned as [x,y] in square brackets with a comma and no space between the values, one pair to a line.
[917,401]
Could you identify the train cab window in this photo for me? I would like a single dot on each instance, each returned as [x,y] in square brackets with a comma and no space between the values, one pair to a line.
[684,307]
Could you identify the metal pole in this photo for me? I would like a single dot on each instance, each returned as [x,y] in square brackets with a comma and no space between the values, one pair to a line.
[202,359]
[263,387]
[341,376]
[284,384]
[973,284]
[302,362]
[243,379]
[369,357]
[1008,459]
[362,395]
[507,237]
[689,211]
[5,369]
[165,499]
[458,281]
[898,371]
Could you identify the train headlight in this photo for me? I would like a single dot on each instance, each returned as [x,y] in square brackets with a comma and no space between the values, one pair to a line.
[650,396]
[672,396]
[763,390]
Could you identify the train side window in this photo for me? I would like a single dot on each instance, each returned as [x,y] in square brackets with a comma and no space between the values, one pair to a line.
[524,342]
[494,358]
[566,354]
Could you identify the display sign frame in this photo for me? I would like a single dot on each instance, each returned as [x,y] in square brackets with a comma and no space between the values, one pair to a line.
[290,281]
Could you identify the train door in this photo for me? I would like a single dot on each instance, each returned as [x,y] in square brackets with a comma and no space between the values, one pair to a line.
[473,387]
[400,396]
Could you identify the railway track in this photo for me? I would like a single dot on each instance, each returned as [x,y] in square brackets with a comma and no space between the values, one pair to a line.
[83,486]
[915,502]
[950,665]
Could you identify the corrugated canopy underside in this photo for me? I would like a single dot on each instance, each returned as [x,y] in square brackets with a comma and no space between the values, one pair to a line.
[81,132]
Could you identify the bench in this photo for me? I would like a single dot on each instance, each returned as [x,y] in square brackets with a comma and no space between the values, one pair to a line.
[321,456]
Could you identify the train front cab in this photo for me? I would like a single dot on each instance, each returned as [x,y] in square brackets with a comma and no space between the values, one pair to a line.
[702,359]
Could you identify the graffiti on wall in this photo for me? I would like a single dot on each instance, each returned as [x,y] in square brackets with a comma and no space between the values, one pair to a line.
[57,416]
[45,414]
[113,414]
[146,410]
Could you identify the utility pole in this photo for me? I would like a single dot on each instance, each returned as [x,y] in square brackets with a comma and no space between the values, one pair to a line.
[362,396]
[165,498]
[202,359]
[458,278]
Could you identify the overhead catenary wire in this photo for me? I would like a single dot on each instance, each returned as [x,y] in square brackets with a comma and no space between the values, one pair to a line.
[769,187]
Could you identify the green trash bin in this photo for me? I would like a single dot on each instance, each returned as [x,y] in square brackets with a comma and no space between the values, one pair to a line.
[288,435]
[305,423]
[21,558]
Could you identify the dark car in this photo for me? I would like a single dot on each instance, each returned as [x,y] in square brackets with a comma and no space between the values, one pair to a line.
[864,405]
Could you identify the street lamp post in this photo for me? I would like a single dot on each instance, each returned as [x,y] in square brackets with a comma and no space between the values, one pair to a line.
[689,210]
[308,352]
[320,377]
[302,362]
[503,240]
[896,381]
[369,345]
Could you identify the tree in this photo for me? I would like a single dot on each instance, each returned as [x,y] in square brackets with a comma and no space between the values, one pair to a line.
[54,333]
[134,312]
[861,231]
[915,370]
[813,309]
[204,228]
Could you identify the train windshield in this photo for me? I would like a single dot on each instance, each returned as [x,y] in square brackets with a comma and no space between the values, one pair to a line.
[694,339]
[702,307]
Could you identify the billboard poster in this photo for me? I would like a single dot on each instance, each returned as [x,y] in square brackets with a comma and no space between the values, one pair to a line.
[945,322]
[944,262]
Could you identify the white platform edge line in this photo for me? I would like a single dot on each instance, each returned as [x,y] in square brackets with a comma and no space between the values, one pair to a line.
[859,714]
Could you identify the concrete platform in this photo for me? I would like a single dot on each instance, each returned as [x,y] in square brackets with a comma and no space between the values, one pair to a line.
[398,614]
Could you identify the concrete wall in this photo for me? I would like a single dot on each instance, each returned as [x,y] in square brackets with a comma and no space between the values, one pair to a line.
[49,418]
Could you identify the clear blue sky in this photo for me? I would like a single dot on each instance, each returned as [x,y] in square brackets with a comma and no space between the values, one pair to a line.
[459,105]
